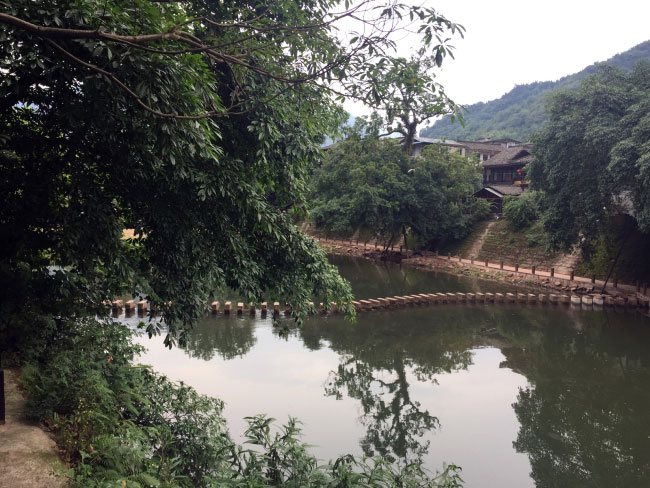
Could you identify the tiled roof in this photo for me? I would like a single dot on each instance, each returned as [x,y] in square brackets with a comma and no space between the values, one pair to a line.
[482,147]
[510,190]
[509,156]
[430,140]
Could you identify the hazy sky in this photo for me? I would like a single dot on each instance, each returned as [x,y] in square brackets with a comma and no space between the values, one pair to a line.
[511,42]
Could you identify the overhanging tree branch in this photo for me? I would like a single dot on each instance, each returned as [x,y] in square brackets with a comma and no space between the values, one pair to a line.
[349,64]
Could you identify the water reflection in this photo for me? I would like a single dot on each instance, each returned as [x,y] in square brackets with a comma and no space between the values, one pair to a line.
[562,400]
[373,279]
[228,339]
[377,353]
[375,364]
[584,419]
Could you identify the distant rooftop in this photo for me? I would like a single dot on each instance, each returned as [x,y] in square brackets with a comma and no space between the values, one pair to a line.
[510,156]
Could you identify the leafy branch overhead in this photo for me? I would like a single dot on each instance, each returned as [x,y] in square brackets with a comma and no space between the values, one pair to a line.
[287,43]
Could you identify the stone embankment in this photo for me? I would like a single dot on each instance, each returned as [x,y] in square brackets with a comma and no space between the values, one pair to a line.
[573,289]
[497,271]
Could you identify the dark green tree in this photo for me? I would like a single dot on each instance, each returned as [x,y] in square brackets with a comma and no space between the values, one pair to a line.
[371,183]
[192,123]
[592,159]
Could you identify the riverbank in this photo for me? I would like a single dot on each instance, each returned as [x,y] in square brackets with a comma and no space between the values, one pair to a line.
[497,271]
[28,452]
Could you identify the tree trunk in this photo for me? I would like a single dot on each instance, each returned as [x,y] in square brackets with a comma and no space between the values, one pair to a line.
[392,238]
[618,254]
[411,132]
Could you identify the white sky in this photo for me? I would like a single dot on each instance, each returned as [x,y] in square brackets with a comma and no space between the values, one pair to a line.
[512,42]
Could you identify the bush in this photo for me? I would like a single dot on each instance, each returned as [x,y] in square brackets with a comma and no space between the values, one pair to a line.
[124,425]
[523,210]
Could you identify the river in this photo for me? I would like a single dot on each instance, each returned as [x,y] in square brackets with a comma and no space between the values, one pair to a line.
[517,395]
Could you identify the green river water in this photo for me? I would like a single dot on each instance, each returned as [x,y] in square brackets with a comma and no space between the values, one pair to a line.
[518,396]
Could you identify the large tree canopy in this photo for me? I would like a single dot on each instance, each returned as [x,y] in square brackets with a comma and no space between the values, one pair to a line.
[593,157]
[192,123]
[372,184]
[414,97]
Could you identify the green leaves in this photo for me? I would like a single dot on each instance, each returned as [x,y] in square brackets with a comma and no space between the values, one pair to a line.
[589,157]
[372,184]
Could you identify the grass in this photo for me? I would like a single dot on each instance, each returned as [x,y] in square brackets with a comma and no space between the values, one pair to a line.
[461,248]
[504,243]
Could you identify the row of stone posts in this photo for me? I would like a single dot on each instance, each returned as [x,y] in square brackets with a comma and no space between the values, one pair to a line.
[533,270]
[239,308]
[529,298]
[130,306]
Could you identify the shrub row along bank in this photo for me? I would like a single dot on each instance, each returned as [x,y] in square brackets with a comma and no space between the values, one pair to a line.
[123,425]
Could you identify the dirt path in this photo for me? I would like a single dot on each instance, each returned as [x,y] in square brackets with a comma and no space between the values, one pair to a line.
[27,452]
[477,245]
[566,262]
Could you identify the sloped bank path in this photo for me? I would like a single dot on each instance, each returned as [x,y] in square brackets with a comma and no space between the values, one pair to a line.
[27,452]
[491,271]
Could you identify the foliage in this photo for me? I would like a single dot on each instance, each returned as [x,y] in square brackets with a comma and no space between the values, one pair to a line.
[193,124]
[592,158]
[621,238]
[372,184]
[521,112]
[119,423]
[521,211]
[412,95]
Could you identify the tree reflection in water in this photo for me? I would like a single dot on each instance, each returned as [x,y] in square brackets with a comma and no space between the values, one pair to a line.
[229,338]
[379,356]
[584,419]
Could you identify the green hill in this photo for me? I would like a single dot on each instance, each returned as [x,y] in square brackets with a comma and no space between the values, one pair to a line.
[521,111]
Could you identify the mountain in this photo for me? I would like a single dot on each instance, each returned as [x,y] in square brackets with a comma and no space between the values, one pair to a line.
[521,111]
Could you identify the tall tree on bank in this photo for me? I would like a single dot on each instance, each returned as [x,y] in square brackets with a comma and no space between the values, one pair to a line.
[593,157]
[193,124]
[412,96]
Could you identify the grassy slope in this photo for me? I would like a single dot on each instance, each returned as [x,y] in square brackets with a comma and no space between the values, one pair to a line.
[526,247]
[462,248]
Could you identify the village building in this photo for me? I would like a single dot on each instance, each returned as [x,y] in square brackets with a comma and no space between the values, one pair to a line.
[502,164]
[503,175]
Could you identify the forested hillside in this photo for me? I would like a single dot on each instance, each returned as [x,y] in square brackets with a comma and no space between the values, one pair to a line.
[521,111]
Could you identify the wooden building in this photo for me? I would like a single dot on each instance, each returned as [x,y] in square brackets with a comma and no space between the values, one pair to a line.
[495,193]
[502,163]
